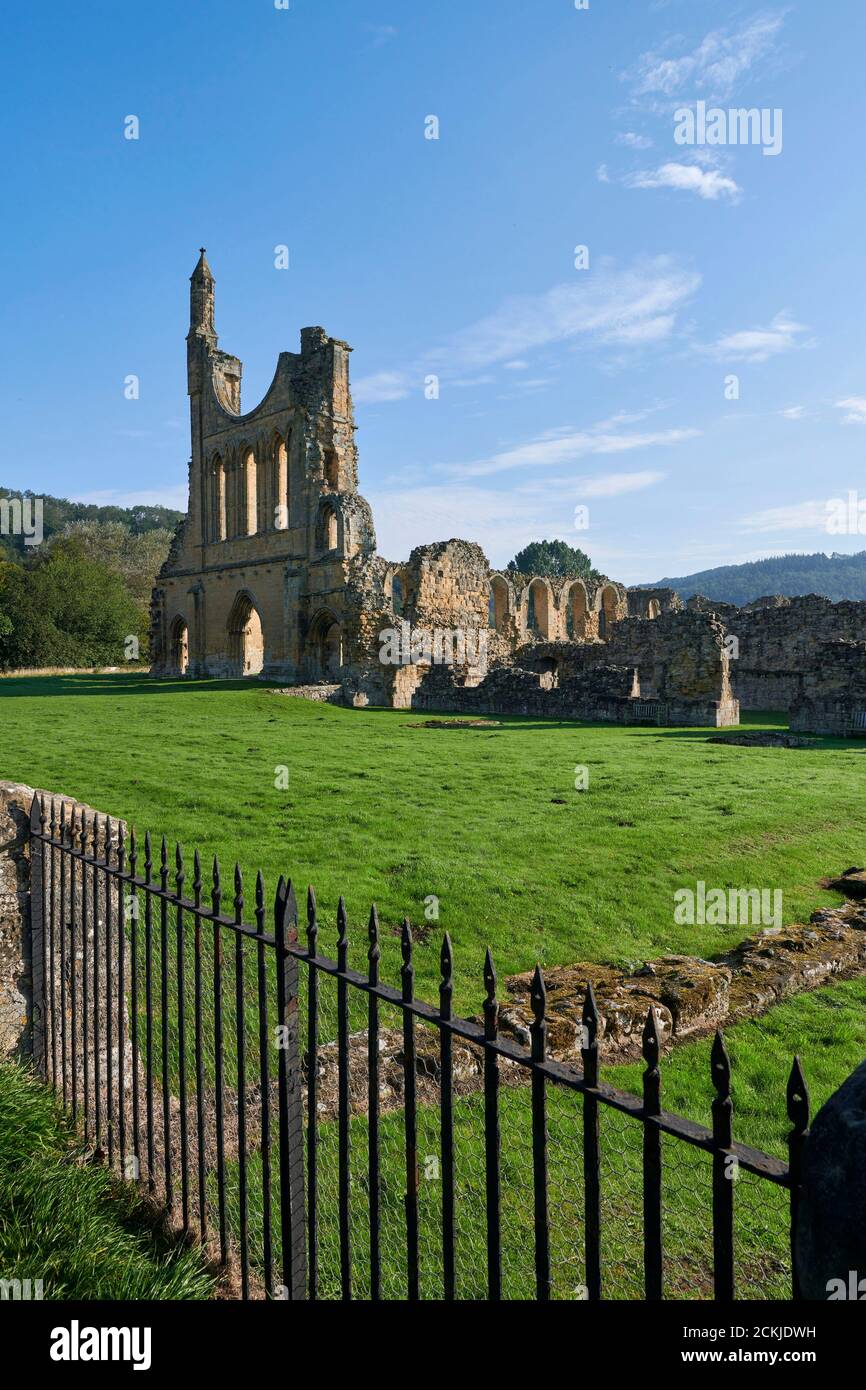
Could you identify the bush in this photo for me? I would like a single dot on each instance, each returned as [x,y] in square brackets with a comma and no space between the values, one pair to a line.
[65,610]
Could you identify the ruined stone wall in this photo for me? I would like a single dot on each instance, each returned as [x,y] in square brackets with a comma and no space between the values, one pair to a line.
[832,697]
[16,964]
[537,608]
[677,665]
[651,603]
[779,640]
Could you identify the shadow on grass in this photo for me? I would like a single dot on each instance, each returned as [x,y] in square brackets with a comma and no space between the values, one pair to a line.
[123,684]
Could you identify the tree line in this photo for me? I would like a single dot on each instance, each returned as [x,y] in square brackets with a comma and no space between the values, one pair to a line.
[81,594]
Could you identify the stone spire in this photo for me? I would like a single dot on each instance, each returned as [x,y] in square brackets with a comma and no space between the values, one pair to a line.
[201,303]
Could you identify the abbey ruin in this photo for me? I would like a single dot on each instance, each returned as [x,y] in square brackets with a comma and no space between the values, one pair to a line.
[274,573]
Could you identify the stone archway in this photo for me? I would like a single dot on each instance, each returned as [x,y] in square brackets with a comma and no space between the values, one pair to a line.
[325,649]
[607,605]
[246,639]
[498,605]
[538,605]
[179,646]
[575,611]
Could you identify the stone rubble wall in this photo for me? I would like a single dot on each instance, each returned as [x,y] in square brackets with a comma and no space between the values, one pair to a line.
[30,883]
[781,644]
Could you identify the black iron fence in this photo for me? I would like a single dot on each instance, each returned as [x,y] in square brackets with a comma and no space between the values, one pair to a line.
[326,1135]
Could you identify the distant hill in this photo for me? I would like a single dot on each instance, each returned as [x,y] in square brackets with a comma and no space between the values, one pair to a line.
[58,512]
[835,576]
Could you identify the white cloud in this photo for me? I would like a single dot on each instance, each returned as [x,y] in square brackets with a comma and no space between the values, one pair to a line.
[601,174]
[707,183]
[794,412]
[856,408]
[500,522]
[714,68]
[758,344]
[557,447]
[616,484]
[516,366]
[633,141]
[797,516]
[608,306]
[381,34]
[381,386]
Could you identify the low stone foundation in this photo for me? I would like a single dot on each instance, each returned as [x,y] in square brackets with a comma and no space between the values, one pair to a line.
[326,694]
[691,998]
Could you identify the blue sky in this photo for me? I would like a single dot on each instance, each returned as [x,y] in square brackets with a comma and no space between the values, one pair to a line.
[558,387]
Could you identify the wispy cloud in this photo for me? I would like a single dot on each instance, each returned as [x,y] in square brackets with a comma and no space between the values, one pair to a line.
[500,522]
[713,69]
[634,141]
[855,406]
[557,447]
[381,386]
[690,178]
[381,34]
[796,516]
[758,344]
[606,306]
[794,412]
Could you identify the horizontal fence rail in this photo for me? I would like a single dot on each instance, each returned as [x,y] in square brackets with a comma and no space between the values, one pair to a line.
[324,1134]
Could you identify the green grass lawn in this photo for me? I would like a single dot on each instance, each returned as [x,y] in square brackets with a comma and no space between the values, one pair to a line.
[382,809]
[71,1224]
[828,1029]
[486,820]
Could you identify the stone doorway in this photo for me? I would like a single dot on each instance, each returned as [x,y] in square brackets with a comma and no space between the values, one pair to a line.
[179,647]
[246,639]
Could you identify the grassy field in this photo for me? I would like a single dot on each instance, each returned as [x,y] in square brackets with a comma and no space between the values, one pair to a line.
[71,1224]
[827,1027]
[487,821]
[381,808]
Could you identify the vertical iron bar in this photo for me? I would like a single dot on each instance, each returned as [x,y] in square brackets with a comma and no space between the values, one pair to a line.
[724,1173]
[97,1028]
[798,1114]
[312,1094]
[591,1150]
[133,1008]
[40,963]
[446,1116]
[62,930]
[179,880]
[343,1103]
[73,962]
[374,954]
[199,1051]
[164,1023]
[653,1256]
[110,1118]
[407,978]
[216,899]
[148,1005]
[265,1089]
[294,1255]
[538,1033]
[121,994]
[85,966]
[491,1135]
[52,941]
[240,1040]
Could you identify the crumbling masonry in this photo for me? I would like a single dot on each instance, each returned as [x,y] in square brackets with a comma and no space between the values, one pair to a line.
[274,572]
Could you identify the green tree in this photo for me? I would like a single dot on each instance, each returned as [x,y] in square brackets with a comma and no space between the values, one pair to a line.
[134,558]
[554,558]
[65,610]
